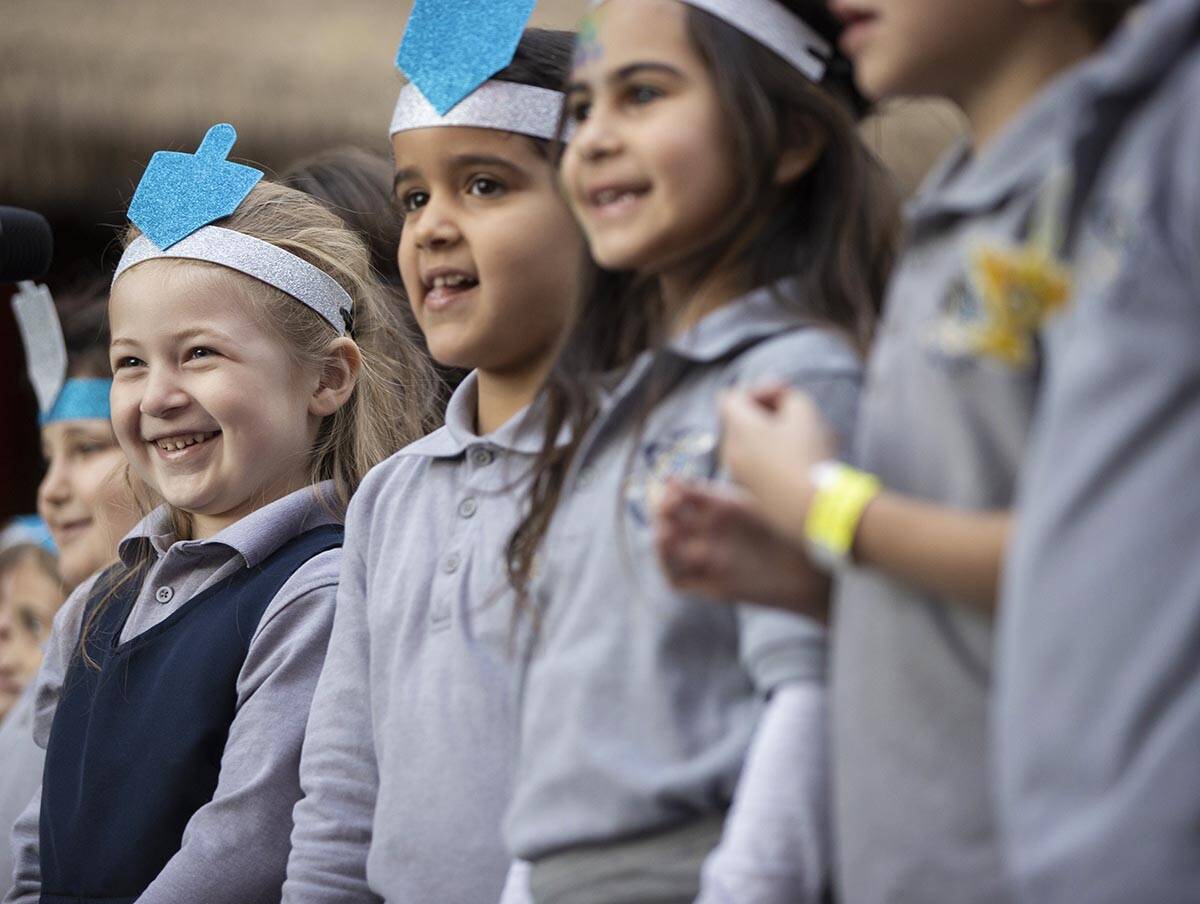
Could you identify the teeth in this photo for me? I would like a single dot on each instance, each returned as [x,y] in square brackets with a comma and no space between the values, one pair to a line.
[612,196]
[182,442]
[452,281]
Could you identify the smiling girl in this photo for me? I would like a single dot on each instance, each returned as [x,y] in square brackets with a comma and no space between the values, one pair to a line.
[714,163]
[410,749]
[257,378]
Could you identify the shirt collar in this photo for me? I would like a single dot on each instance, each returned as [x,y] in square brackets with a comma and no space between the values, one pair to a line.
[1023,154]
[520,433]
[756,315]
[253,538]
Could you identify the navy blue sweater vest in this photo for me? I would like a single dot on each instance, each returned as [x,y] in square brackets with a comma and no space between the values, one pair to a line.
[135,746]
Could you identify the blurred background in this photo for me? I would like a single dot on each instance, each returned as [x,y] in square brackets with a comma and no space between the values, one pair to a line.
[88,90]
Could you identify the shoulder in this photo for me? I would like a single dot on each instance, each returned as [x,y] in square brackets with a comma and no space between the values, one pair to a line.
[805,351]
[312,585]
[395,475]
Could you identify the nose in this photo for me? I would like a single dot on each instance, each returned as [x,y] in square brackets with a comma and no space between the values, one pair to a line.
[596,138]
[55,488]
[161,393]
[436,227]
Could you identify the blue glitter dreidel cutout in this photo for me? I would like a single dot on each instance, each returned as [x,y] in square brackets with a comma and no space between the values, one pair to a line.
[179,193]
[451,47]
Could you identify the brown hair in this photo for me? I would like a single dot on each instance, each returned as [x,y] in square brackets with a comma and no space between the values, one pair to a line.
[833,232]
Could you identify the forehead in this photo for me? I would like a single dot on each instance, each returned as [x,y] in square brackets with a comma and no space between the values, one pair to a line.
[24,581]
[160,297]
[622,32]
[83,428]
[427,151]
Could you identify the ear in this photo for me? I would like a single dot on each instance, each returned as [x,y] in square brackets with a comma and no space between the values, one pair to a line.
[805,144]
[339,376]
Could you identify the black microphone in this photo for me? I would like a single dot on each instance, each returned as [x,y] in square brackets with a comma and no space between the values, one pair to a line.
[26,245]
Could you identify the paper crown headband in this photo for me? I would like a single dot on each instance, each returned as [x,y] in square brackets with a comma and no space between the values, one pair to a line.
[773,26]
[27,530]
[59,399]
[181,194]
[453,88]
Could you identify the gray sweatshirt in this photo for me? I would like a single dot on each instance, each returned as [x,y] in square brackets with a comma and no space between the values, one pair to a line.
[945,416]
[1098,711]
[408,759]
[639,703]
[235,847]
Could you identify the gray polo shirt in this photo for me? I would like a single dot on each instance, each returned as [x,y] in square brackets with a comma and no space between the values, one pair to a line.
[235,847]
[1098,708]
[21,762]
[945,418]
[408,761]
[639,704]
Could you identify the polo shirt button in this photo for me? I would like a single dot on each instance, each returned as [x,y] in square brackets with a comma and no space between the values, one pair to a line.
[451,564]
[468,507]
[164,594]
[481,456]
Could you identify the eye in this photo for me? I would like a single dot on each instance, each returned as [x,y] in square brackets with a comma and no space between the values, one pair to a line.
[199,352]
[31,622]
[127,361]
[484,187]
[643,94]
[92,448]
[578,111]
[413,200]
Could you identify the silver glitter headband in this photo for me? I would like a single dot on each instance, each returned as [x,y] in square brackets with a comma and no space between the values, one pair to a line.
[508,106]
[773,26]
[269,263]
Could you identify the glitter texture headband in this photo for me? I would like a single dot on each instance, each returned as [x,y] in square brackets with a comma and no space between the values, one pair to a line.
[449,54]
[181,194]
[254,257]
[59,399]
[773,26]
[508,106]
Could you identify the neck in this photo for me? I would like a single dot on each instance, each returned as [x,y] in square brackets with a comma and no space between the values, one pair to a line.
[687,300]
[1019,74]
[205,526]
[503,393]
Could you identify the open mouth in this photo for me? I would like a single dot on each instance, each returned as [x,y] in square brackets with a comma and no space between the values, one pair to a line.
[443,289]
[173,445]
[68,531]
[615,200]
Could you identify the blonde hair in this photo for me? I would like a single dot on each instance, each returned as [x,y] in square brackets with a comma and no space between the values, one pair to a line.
[393,401]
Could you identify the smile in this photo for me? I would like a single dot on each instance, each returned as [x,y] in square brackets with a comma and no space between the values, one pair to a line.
[445,287]
[172,446]
[614,201]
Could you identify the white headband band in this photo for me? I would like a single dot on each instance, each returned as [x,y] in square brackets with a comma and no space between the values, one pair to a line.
[269,263]
[773,26]
[507,106]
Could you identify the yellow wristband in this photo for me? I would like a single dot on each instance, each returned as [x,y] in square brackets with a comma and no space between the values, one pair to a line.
[842,495]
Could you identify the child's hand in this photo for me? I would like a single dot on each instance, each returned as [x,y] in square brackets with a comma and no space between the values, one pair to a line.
[714,542]
[771,438]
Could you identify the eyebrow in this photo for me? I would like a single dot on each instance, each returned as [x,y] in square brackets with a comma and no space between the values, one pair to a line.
[195,332]
[629,71]
[459,161]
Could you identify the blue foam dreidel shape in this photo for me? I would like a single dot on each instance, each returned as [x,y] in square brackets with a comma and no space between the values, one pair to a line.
[179,193]
[451,47]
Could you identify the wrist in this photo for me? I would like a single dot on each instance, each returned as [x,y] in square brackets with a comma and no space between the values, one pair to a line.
[839,498]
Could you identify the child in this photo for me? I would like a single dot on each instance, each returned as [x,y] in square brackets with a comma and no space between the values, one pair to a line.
[951,390]
[1098,711]
[256,379]
[84,497]
[715,160]
[408,759]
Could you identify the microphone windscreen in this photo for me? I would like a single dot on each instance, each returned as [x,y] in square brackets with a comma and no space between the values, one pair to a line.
[26,245]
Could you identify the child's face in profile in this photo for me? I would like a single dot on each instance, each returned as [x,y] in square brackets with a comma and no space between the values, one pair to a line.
[207,402]
[648,171]
[911,47]
[29,598]
[490,256]
[83,498]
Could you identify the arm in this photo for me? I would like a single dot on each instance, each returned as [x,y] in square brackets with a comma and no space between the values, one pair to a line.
[235,847]
[776,846]
[64,636]
[774,437]
[338,770]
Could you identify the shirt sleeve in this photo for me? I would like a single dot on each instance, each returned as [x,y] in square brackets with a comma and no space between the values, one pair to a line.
[776,846]
[235,847]
[778,647]
[338,770]
[60,648]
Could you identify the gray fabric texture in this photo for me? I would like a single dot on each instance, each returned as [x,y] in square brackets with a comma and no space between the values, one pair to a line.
[408,761]
[1098,704]
[639,704]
